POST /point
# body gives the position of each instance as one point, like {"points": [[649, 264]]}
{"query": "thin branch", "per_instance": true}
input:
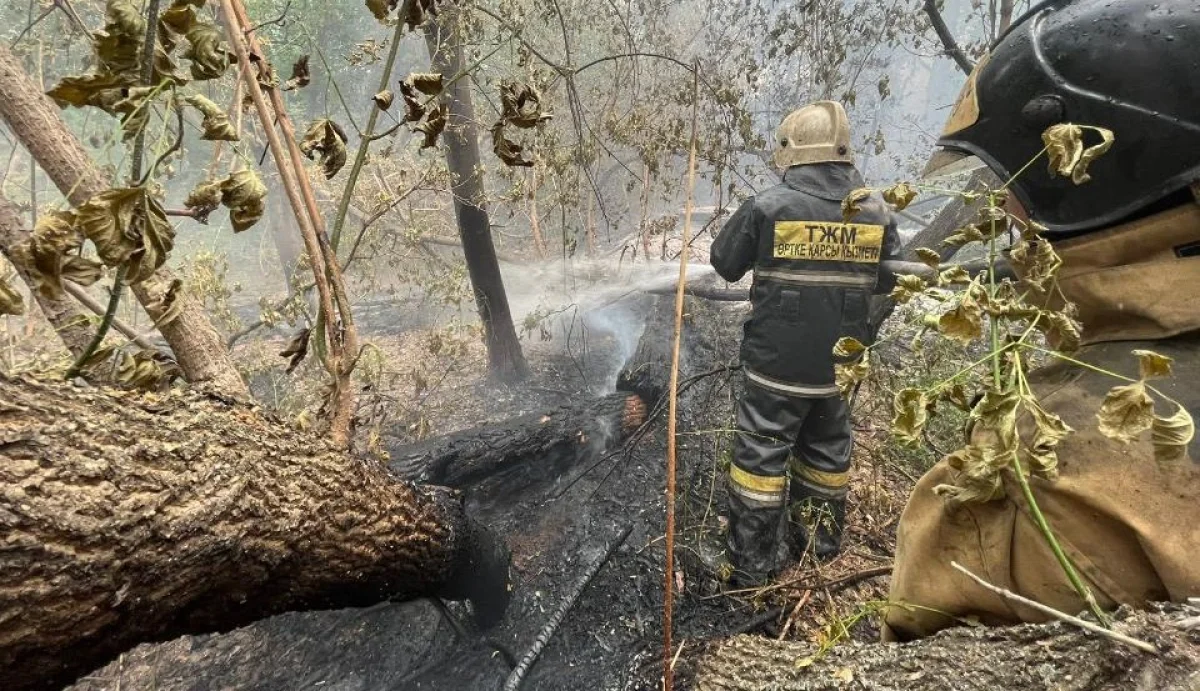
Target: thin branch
{"points": [[1061, 616], [943, 32], [278, 20]]}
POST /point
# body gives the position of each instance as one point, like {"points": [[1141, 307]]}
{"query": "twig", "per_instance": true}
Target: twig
{"points": [[829, 585], [1061, 616], [515, 678], [943, 32], [89, 302], [278, 20], [673, 398]]}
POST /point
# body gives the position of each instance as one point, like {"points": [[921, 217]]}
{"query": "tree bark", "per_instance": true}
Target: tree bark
{"points": [[127, 518], [36, 122], [71, 324], [506, 362], [947, 38], [1018, 658]]}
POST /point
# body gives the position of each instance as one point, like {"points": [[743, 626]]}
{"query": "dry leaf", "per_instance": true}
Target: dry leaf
{"points": [[1127, 411], [381, 8], [118, 45], [907, 287], [521, 105], [10, 300], [326, 139], [1080, 174], [244, 194], [384, 99], [955, 275], [300, 75], [82, 270], [127, 225], [931, 258], [1062, 331], [1171, 436], [848, 347], [297, 350], [508, 151], [900, 195], [963, 236], [208, 55], [432, 126], [1064, 147], [1049, 431], [1152, 365], [204, 199], [215, 125], [964, 323], [910, 415], [49, 247], [844, 675], [850, 205], [848, 376]]}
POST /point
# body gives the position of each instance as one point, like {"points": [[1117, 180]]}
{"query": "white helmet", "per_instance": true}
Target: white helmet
{"points": [[816, 133]]}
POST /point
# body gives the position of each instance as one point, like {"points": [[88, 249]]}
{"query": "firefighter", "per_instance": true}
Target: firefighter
{"points": [[1129, 240], [814, 275]]}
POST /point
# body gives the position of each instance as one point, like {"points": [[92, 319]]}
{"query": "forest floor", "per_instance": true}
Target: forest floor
{"points": [[556, 526]]}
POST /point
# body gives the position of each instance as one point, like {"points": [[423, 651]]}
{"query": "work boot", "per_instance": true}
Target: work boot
{"points": [[816, 523], [755, 549]]}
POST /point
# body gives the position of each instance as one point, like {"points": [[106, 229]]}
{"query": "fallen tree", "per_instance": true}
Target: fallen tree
{"points": [[1020, 658], [127, 518]]}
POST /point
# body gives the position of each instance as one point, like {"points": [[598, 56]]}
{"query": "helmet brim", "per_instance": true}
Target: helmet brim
{"points": [[947, 163]]}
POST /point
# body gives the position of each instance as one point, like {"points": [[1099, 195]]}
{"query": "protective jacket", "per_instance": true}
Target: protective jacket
{"points": [[813, 274]]}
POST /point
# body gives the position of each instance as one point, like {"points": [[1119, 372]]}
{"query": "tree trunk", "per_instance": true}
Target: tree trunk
{"points": [[128, 518], [64, 315], [39, 126], [1017, 658], [506, 362]]}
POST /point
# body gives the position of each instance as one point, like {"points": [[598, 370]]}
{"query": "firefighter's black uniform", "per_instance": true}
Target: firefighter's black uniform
{"points": [[813, 278]]}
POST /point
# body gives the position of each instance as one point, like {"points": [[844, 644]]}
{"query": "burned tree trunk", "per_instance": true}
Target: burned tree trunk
{"points": [[127, 518], [539, 444]]}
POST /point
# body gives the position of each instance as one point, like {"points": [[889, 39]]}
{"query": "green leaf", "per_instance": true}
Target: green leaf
{"points": [[215, 125], [1152, 365], [851, 204], [1127, 411], [900, 195], [245, 195], [909, 415], [1171, 436], [325, 139], [963, 323]]}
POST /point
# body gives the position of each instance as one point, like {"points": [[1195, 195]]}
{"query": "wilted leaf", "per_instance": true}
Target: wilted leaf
{"points": [[1064, 147], [53, 239], [297, 350], [244, 194], [849, 375], [428, 83], [147, 370], [209, 57], [850, 205], [909, 415], [118, 45], [1036, 261], [521, 105], [170, 307], [845, 674], [907, 287], [1049, 431], [1171, 436], [1080, 174], [963, 236], [204, 199], [1061, 331], [1127, 411], [82, 270], [991, 221], [432, 126], [964, 323], [900, 195], [381, 8], [1152, 365], [417, 11], [847, 347], [300, 75], [508, 151], [215, 125], [931, 258], [384, 99], [978, 479], [10, 299], [134, 108], [127, 225], [955, 275], [327, 140], [100, 90]]}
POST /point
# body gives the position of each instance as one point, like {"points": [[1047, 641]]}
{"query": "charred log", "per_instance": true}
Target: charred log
{"points": [[536, 444], [127, 518]]}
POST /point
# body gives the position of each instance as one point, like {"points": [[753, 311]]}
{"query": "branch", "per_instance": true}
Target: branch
{"points": [[1061, 616], [943, 32]]}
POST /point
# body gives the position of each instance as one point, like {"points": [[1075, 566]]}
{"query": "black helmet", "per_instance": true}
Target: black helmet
{"points": [[1131, 66]]}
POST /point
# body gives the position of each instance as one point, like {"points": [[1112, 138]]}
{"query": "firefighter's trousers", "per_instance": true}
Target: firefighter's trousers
{"points": [[811, 438]]}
